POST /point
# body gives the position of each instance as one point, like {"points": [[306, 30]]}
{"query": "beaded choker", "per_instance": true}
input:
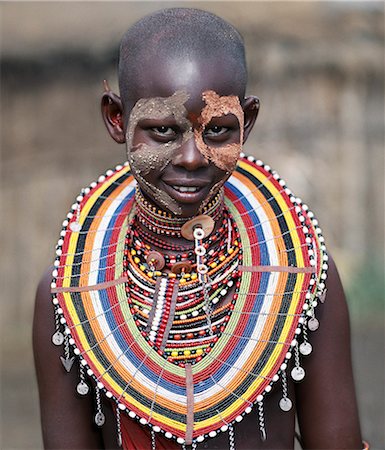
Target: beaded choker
{"points": [[188, 342], [162, 222]]}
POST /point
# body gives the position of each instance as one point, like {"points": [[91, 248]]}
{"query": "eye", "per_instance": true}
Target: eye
{"points": [[164, 131], [215, 130]]}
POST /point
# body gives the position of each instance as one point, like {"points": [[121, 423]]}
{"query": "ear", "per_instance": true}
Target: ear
{"points": [[250, 107], [112, 113]]}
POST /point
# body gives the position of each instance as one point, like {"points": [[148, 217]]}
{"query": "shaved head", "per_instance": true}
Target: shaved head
{"points": [[178, 36]]}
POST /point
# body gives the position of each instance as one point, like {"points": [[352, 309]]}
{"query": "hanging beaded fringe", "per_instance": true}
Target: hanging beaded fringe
{"points": [[153, 442], [285, 403], [231, 438], [118, 429], [298, 372], [261, 418], [99, 416], [82, 388]]}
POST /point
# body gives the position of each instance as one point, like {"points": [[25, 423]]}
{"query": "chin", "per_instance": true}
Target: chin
{"points": [[189, 211]]}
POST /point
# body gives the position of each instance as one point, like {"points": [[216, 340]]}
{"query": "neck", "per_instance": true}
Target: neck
{"points": [[161, 225]]}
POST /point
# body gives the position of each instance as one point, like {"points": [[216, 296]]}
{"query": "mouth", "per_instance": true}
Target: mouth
{"points": [[186, 191], [186, 188]]}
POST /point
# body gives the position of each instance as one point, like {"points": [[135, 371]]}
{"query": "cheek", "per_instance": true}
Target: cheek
{"points": [[149, 159], [224, 157]]}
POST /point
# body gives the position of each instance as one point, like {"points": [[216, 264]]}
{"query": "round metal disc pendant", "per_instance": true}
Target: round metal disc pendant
{"points": [[75, 227], [156, 259], [57, 338], [305, 348], [205, 222], [285, 404], [313, 324], [82, 388], [298, 373], [181, 266], [99, 419]]}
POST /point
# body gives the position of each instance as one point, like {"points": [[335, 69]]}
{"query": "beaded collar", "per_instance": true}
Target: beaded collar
{"points": [[189, 382]]}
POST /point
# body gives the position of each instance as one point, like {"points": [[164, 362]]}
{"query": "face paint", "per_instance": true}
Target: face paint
{"points": [[225, 157], [144, 158]]}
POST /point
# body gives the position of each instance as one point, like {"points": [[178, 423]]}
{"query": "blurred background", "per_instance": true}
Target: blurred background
{"points": [[318, 68]]}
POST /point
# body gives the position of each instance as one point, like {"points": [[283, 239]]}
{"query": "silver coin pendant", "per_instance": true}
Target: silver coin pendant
{"points": [[99, 419], [298, 373], [82, 388], [305, 348], [313, 324], [285, 404], [57, 338]]}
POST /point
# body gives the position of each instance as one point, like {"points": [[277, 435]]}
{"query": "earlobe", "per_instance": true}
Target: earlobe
{"points": [[250, 108], [112, 113]]}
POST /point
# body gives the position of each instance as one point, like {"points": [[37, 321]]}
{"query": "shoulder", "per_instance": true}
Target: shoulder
{"points": [[43, 321]]}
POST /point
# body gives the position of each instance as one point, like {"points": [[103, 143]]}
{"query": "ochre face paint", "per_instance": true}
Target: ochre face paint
{"points": [[225, 157], [144, 158]]}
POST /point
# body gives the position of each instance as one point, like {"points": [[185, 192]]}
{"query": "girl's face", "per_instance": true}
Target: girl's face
{"points": [[182, 149]]}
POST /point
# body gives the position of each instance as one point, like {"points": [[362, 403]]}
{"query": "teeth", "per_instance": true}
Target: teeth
{"points": [[186, 188]]}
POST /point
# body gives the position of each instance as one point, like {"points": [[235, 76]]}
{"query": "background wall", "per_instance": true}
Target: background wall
{"points": [[318, 69]]}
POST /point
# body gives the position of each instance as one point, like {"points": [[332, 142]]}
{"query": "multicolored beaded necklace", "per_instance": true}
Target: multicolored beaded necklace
{"points": [[188, 338], [151, 291]]}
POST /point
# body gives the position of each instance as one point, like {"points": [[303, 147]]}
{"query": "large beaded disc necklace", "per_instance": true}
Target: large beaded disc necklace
{"points": [[187, 338]]}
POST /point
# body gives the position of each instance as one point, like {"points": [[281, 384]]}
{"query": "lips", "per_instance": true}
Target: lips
{"points": [[186, 188], [186, 191]]}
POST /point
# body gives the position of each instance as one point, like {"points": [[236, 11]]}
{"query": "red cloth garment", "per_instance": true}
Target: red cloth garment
{"points": [[136, 437]]}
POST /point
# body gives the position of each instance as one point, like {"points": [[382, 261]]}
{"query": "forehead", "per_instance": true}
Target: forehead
{"points": [[162, 78]]}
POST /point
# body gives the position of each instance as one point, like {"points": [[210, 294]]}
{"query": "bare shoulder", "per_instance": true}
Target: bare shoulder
{"points": [[328, 391], [66, 419]]}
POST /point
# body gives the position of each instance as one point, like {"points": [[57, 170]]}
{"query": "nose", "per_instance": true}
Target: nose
{"points": [[189, 157]]}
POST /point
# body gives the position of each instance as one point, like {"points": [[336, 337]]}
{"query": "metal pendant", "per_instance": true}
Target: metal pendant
{"points": [[99, 419], [119, 440], [58, 338], [67, 362], [322, 297], [82, 388], [298, 373], [305, 348], [313, 324], [285, 404], [206, 223]]}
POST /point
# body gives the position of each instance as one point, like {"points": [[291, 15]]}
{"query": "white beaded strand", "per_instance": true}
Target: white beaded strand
{"points": [[82, 388], [118, 429], [153, 441], [298, 372], [99, 416], [285, 403], [231, 437], [261, 419]]}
